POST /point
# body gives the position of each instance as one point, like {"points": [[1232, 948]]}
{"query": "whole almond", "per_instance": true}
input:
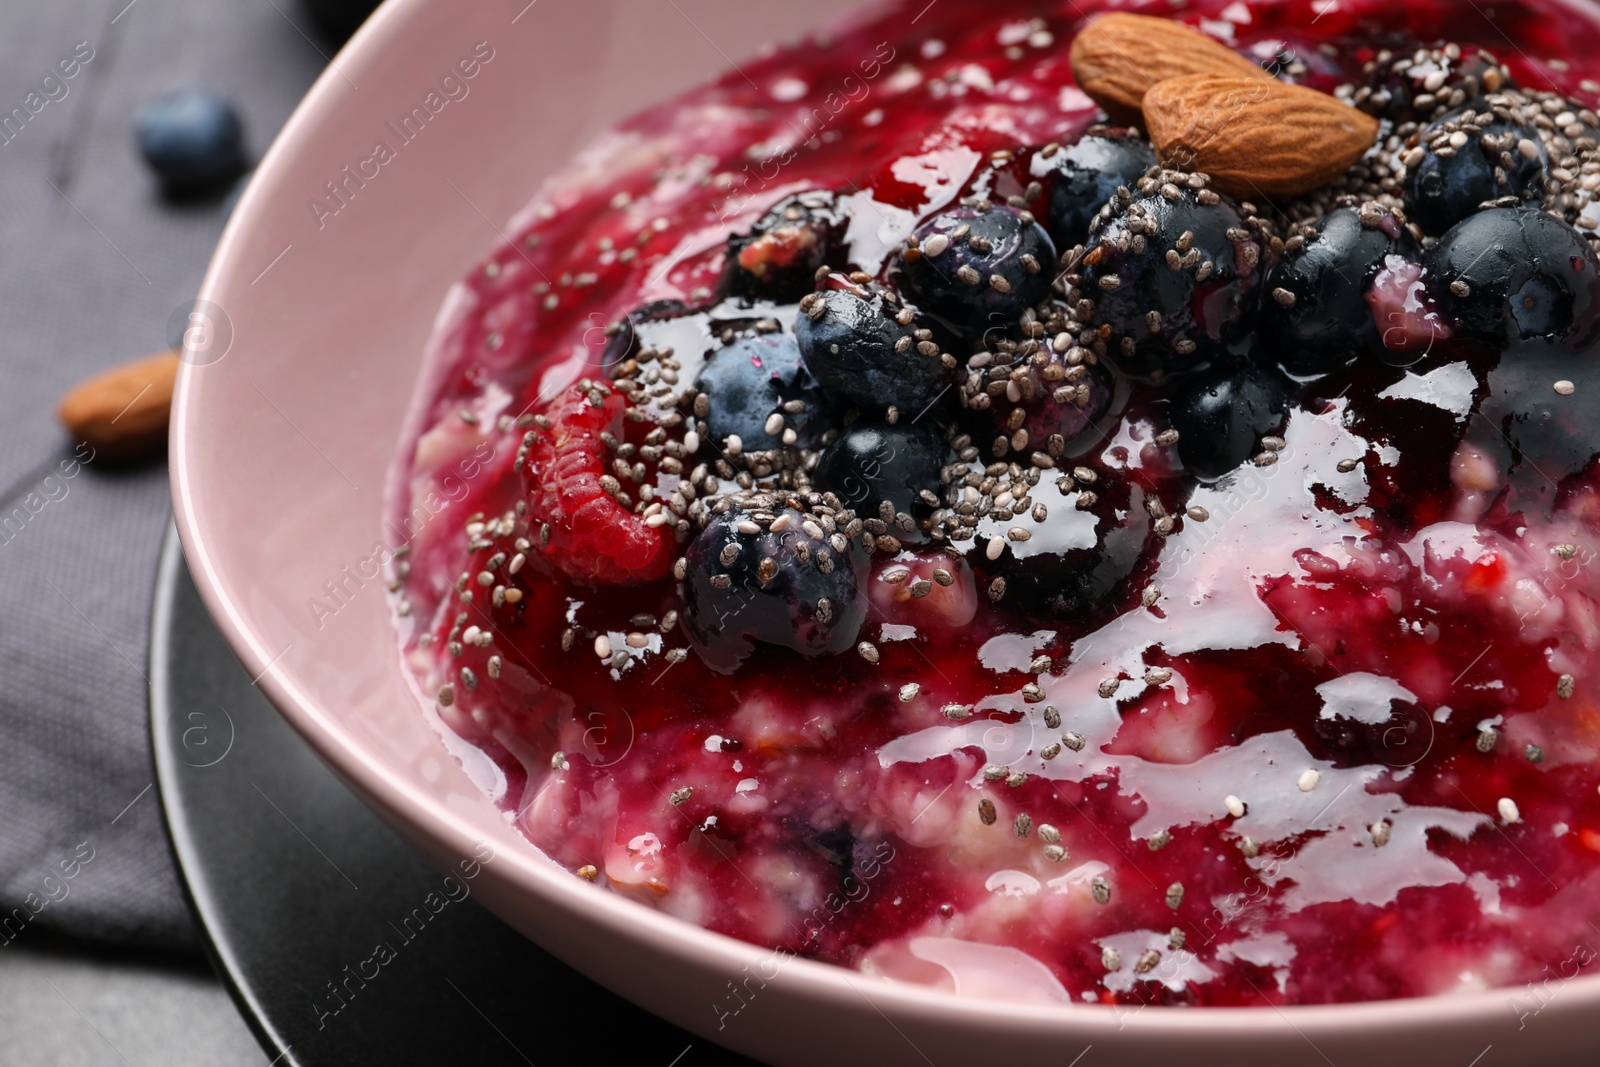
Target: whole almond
{"points": [[1118, 57], [1255, 137], [122, 413]]}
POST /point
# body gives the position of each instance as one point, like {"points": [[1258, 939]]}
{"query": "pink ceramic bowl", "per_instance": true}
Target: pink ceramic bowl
{"points": [[287, 418]]}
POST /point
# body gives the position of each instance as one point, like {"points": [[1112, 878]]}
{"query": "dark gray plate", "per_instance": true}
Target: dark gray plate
{"points": [[297, 885]]}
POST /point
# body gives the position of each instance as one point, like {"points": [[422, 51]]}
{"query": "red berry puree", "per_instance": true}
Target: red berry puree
{"points": [[878, 505]]}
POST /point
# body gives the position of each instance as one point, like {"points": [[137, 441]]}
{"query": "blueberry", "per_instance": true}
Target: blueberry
{"points": [[1526, 287], [1403, 736], [1091, 538], [192, 139], [750, 380], [874, 463], [866, 346], [1516, 275], [779, 256], [1174, 274], [1317, 315], [1222, 415], [1085, 175], [1410, 88], [1061, 396], [784, 589], [338, 19], [1542, 437], [978, 268], [834, 845], [1500, 159]]}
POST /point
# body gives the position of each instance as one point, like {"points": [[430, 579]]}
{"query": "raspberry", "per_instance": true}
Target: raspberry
{"points": [[593, 538]]}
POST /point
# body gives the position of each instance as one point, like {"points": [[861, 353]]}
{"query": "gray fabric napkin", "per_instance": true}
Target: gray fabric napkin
{"points": [[93, 264]]}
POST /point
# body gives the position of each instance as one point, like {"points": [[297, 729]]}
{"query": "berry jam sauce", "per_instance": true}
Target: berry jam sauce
{"points": [[870, 508]]}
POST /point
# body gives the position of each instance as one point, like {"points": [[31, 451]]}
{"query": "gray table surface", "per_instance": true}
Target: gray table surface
{"points": [[94, 264]]}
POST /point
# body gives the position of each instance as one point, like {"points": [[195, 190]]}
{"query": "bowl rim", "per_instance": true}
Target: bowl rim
{"points": [[530, 873]]}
